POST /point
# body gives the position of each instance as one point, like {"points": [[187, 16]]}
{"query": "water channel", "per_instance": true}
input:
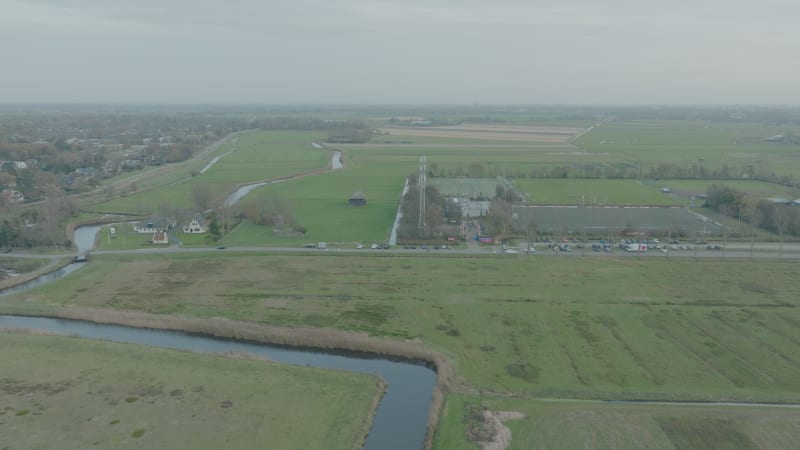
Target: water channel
{"points": [[336, 164], [400, 421]]}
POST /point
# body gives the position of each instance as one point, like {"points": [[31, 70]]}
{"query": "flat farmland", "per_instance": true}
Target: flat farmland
{"points": [[601, 328], [320, 202], [69, 393], [591, 192], [255, 156], [756, 189], [713, 145], [578, 424], [492, 132]]}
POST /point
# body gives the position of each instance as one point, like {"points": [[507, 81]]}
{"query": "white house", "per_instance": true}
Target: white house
{"points": [[197, 225], [153, 224]]}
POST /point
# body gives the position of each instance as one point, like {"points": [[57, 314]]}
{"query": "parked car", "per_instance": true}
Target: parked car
{"points": [[359, 245]]}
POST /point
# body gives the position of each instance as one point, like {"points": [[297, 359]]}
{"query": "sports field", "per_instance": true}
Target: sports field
{"points": [[69, 393], [591, 192], [614, 220]]}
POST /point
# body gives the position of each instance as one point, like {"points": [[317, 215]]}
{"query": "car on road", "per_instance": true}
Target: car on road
{"points": [[220, 247], [310, 246]]}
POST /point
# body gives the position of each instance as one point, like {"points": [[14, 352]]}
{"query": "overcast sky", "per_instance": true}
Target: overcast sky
{"points": [[411, 51]]}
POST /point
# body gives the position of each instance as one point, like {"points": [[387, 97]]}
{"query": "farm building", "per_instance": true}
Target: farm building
{"points": [[357, 199], [153, 224], [160, 237]]}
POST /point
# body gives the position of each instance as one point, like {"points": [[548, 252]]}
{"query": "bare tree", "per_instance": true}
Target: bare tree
{"points": [[755, 218], [201, 193], [780, 223]]}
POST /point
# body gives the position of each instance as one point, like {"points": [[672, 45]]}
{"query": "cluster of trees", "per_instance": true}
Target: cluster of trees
{"points": [[350, 135], [272, 212], [305, 123], [438, 213], [42, 225], [426, 122], [441, 214], [498, 220], [662, 171], [778, 218]]}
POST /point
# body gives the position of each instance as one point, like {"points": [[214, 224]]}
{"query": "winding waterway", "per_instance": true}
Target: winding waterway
{"points": [[336, 164], [400, 421]]}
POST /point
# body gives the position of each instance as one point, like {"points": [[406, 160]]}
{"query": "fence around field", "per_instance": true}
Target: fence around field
{"points": [[577, 219]]}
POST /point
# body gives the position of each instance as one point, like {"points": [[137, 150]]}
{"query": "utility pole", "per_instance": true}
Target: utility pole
{"points": [[421, 184]]}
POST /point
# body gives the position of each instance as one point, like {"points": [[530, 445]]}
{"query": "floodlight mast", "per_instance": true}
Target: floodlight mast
{"points": [[421, 179]]}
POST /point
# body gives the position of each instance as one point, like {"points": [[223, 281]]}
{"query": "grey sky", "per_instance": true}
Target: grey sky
{"points": [[414, 51]]}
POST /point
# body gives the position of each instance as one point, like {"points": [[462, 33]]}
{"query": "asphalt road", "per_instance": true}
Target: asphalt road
{"points": [[761, 250]]}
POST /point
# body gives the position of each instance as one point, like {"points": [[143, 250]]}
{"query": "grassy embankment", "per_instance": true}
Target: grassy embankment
{"points": [[112, 395], [25, 269]]}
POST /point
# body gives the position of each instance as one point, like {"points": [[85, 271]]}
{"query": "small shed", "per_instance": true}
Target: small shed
{"points": [[357, 199]]}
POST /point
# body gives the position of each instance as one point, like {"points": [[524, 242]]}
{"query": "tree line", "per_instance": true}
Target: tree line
{"points": [[782, 219]]}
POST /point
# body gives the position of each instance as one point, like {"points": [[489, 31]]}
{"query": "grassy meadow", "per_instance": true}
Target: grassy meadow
{"points": [[758, 189], [554, 327], [378, 168], [108, 395], [518, 330], [591, 192], [255, 156], [576, 424], [737, 144]]}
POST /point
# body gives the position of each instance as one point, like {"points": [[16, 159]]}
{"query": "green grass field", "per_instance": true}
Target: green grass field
{"points": [[736, 144], [553, 327], [319, 201], [756, 189], [467, 187], [568, 425], [124, 238], [69, 393], [255, 156], [591, 192]]}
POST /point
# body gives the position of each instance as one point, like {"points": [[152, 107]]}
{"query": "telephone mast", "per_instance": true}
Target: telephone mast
{"points": [[423, 171]]}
